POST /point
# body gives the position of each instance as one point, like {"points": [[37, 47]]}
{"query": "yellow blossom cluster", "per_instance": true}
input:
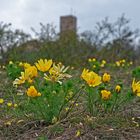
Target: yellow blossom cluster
{"points": [[97, 63], [55, 72], [103, 62], [123, 63], [9, 104], [94, 80], [51, 72], [120, 63], [92, 59]]}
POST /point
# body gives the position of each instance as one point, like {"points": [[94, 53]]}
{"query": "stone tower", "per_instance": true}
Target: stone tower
{"points": [[68, 29], [68, 23]]}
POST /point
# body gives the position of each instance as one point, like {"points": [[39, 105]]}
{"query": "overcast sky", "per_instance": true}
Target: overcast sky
{"points": [[24, 14]]}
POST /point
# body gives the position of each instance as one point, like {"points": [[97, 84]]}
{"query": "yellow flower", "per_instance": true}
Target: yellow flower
{"points": [[89, 60], [10, 62], [28, 74], [43, 65], [78, 133], [136, 87], [76, 104], [91, 78], [103, 62], [102, 65], [15, 105], [94, 59], [21, 64], [67, 108], [9, 104], [32, 92], [118, 88], [118, 63], [84, 73], [24, 76], [105, 94], [3, 67], [123, 61], [21, 79], [106, 77], [131, 63], [57, 73], [1, 101], [94, 66]]}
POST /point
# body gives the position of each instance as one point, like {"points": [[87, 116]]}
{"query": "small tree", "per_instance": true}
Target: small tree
{"points": [[100, 35], [116, 38], [6, 37], [47, 32], [10, 38]]}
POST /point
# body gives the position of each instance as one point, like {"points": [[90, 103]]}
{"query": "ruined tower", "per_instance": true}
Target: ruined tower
{"points": [[68, 28], [68, 23]]}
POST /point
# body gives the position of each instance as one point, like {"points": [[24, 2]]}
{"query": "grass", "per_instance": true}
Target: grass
{"points": [[21, 123]]}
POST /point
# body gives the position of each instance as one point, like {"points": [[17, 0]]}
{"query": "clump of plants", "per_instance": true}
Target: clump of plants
{"points": [[50, 93], [103, 97], [48, 90], [96, 65], [123, 63]]}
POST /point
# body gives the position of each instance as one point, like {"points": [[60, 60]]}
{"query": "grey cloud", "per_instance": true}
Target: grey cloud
{"points": [[26, 13]]}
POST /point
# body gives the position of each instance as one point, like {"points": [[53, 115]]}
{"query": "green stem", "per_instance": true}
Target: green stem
{"points": [[71, 106], [113, 106], [61, 108]]}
